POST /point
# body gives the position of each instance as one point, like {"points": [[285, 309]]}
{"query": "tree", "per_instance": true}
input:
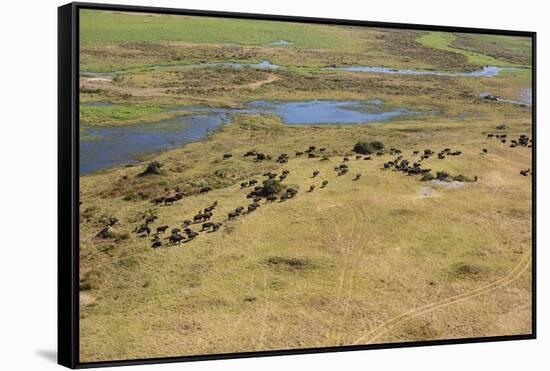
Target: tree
{"points": [[270, 187], [367, 148], [152, 169]]}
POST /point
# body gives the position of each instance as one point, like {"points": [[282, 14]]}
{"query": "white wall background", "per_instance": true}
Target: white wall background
{"points": [[28, 165]]}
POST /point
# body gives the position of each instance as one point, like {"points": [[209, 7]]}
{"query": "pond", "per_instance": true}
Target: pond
{"points": [[106, 147]]}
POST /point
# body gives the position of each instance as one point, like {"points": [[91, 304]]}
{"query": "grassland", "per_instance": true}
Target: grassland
{"points": [[339, 265], [446, 41]]}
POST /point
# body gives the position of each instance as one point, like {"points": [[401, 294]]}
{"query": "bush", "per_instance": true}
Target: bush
{"points": [[367, 148], [427, 177], [129, 197], [270, 187], [442, 175], [152, 169]]}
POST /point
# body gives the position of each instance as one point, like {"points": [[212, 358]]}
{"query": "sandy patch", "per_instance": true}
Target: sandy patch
{"points": [[425, 192], [86, 299], [448, 185], [97, 79]]}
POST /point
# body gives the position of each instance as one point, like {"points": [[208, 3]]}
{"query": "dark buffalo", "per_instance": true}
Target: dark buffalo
{"points": [[162, 229]]}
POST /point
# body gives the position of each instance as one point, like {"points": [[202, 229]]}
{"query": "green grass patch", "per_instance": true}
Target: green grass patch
{"points": [[443, 40], [104, 27]]}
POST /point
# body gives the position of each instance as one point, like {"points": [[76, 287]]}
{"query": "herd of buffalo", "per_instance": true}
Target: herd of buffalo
{"points": [[257, 191]]}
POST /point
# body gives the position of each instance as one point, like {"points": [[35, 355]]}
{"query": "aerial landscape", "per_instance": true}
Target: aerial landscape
{"points": [[252, 185]]}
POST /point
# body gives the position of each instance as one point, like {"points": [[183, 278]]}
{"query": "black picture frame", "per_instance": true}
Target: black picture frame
{"points": [[68, 183]]}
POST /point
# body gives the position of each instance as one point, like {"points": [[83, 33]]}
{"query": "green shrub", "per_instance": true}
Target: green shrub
{"points": [[442, 175], [427, 177], [129, 197], [270, 187], [152, 169], [367, 148]]}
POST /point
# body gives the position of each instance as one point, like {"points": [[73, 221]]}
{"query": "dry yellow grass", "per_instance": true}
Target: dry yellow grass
{"points": [[367, 250]]}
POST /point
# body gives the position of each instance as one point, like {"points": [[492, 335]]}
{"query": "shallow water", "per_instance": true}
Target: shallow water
{"points": [[119, 145], [525, 98], [265, 65], [486, 71], [111, 146], [281, 42], [97, 104]]}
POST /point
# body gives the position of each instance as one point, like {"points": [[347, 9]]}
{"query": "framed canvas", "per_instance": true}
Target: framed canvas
{"points": [[242, 185]]}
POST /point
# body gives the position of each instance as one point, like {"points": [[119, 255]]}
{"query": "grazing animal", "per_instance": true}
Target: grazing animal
{"points": [[143, 229], [357, 176], [186, 223], [244, 185], [315, 173], [415, 153], [525, 172], [150, 219], [216, 226], [197, 218], [325, 183], [232, 215], [176, 230], [299, 154], [191, 235], [358, 157], [271, 198], [175, 238], [227, 155], [282, 177], [322, 149], [158, 200], [162, 229], [286, 172], [345, 159], [252, 182], [291, 192], [484, 150], [156, 242], [311, 188], [205, 189], [170, 200], [367, 158], [206, 225], [379, 153]]}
